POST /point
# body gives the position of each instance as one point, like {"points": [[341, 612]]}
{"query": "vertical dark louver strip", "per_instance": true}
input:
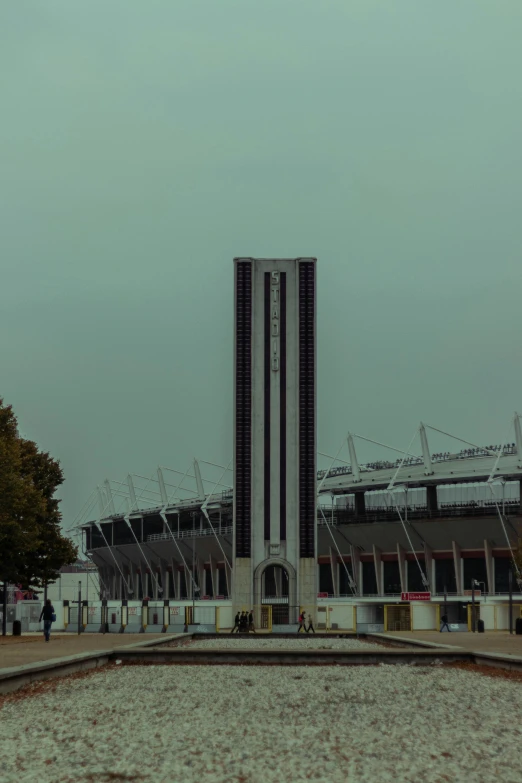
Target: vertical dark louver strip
{"points": [[268, 343], [307, 477], [243, 466], [282, 380]]}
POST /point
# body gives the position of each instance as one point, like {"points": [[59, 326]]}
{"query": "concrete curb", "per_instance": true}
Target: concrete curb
{"points": [[15, 677], [401, 641], [216, 656], [154, 642]]}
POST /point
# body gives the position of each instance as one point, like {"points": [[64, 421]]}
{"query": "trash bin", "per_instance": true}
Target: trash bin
{"points": [[518, 626], [17, 628], [480, 626]]}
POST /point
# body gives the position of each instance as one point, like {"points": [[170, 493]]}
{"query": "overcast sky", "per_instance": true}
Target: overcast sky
{"points": [[143, 145]]}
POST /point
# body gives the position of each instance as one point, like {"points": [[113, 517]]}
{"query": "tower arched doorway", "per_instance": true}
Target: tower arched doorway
{"points": [[275, 585]]}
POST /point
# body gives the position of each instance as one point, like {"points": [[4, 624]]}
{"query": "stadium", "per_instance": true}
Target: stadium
{"points": [[389, 544]]}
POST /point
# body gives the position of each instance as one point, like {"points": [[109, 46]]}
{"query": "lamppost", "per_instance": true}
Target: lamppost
{"points": [[4, 609], [510, 588], [474, 584], [195, 589]]}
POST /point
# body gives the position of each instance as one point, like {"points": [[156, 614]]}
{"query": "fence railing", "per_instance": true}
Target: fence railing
{"points": [[220, 531]]}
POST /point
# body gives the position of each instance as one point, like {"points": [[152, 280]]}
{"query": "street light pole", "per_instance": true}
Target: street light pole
{"points": [[4, 609], [473, 605], [510, 588], [193, 575], [79, 607], [446, 602]]}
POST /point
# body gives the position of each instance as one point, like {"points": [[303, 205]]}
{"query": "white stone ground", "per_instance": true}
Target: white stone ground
{"points": [[252, 724], [253, 642]]}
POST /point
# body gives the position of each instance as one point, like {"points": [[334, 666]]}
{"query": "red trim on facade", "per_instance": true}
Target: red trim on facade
{"points": [[446, 555]]}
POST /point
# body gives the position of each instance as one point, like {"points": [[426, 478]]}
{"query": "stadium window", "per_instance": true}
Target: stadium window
{"points": [[209, 590], [183, 585], [222, 580], [369, 579], [502, 566], [415, 583], [475, 568], [325, 578], [392, 577], [445, 576], [344, 585]]}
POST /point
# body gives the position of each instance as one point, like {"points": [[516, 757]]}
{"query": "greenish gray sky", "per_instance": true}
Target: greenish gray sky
{"points": [[143, 145]]}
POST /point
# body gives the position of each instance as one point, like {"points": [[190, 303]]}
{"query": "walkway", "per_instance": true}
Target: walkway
{"points": [[491, 642], [19, 650]]}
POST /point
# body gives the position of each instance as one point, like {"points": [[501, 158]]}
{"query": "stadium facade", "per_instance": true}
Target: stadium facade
{"points": [[282, 535]]}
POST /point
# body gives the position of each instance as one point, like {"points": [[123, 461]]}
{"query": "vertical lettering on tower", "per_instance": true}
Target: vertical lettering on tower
{"points": [[275, 320]]}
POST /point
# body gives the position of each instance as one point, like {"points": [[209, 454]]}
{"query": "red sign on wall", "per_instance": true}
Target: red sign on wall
{"points": [[415, 596], [322, 595]]}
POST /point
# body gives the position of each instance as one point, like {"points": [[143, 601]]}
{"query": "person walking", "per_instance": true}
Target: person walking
{"points": [[444, 619], [310, 625], [236, 623], [49, 617], [251, 621], [302, 621]]}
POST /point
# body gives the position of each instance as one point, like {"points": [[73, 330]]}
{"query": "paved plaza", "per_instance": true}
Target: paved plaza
{"points": [[490, 642], [31, 648]]}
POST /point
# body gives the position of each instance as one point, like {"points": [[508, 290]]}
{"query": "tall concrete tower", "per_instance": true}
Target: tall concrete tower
{"points": [[275, 425]]}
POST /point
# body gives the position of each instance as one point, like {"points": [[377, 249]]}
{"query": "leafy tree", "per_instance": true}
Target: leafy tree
{"points": [[32, 547]]}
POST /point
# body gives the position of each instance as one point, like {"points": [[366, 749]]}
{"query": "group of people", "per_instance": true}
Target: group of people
{"points": [[244, 622], [302, 623]]}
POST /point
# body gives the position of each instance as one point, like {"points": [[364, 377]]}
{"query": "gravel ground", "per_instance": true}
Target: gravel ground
{"points": [[257, 725], [259, 643]]}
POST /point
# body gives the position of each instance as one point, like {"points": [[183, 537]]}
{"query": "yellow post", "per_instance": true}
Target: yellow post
{"points": [[217, 619], [269, 623], [437, 616], [411, 617], [469, 617], [385, 617]]}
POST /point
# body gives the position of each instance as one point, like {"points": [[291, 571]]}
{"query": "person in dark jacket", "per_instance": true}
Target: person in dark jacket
{"points": [[47, 614], [236, 623]]}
